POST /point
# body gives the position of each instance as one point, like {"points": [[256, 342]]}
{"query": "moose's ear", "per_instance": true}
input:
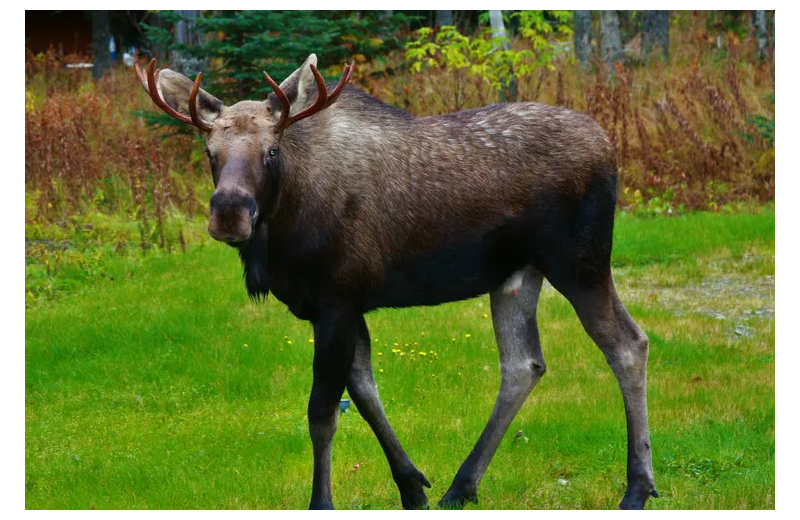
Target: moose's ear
{"points": [[296, 85], [175, 89]]}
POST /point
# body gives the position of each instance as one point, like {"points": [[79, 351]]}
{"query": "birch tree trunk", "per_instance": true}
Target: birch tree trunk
{"points": [[762, 37], [508, 90], [610, 43], [583, 35], [655, 32]]}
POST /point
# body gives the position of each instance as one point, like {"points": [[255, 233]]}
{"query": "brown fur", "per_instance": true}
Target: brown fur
{"points": [[392, 186]]}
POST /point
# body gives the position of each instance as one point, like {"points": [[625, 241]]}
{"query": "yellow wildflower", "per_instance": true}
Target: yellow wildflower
{"points": [[421, 353]]}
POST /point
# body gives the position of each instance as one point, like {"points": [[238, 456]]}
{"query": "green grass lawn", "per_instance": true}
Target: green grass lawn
{"points": [[163, 386]]}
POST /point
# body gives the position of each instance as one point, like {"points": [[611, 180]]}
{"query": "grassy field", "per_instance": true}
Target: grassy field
{"points": [[165, 387]]}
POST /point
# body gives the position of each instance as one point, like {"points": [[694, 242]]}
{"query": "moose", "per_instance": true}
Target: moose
{"points": [[339, 204]]}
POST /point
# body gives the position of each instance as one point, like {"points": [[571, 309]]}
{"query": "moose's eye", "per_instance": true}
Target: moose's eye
{"points": [[273, 152], [211, 158]]}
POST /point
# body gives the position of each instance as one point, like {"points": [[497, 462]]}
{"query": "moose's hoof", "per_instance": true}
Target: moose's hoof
{"points": [[637, 495], [458, 495], [412, 493], [414, 499], [320, 504]]}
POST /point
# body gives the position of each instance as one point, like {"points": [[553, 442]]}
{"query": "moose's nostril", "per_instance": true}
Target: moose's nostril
{"points": [[233, 216], [222, 201]]}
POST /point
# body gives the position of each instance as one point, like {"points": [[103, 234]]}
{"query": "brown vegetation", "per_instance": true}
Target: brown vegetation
{"points": [[85, 151]]}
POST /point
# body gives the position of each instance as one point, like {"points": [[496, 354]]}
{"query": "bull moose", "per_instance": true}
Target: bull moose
{"points": [[339, 204]]}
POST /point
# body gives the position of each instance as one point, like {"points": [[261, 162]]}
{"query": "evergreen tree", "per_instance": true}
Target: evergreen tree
{"points": [[242, 44]]}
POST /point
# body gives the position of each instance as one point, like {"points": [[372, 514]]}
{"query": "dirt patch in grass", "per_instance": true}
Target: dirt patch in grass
{"points": [[738, 291]]}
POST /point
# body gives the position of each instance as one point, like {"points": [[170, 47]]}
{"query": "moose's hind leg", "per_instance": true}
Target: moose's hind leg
{"points": [[521, 366], [625, 347], [362, 389]]}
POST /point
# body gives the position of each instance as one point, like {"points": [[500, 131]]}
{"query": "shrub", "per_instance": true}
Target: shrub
{"points": [[87, 157]]}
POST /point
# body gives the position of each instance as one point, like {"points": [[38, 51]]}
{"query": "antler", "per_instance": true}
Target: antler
{"points": [[150, 85], [324, 98]]}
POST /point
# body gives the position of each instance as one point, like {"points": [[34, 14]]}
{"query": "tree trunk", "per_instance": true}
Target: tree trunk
{"points": [[583, 36], [508, 90], [100, 38], [610, 44], [186, 34], [762, 38], [444, 18], [655, 32], [385, 15]]}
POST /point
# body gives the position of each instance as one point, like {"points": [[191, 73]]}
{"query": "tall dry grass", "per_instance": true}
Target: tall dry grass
{"points": [[85, 152]]}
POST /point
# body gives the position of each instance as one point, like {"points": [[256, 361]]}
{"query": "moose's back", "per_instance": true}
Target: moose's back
{"points": [[473, 196]]}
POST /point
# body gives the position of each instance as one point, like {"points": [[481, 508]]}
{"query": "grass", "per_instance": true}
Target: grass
{"points": [[165, 387]]}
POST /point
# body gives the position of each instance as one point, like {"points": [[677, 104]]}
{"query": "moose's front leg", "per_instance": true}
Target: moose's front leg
{"points": [[364, 392], [335, 336]]}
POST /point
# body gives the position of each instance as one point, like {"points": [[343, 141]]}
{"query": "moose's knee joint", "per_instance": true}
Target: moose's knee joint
{"points": [[539, 368], [641, 343], [523, 374], [321, 413]]}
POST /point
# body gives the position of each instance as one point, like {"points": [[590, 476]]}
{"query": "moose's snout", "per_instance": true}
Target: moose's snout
{"points": [[233, 216]]}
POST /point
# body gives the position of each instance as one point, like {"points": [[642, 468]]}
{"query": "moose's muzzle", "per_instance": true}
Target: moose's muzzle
{"points": [[233, 217]]}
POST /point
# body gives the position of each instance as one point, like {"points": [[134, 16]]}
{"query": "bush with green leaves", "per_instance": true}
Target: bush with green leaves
{"points": [[484, 55]]}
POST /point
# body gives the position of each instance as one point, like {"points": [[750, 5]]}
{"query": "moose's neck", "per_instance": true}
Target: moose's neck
{"points": [[337, 156]]}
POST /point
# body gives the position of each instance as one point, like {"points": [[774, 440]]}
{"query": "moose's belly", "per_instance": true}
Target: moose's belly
{"points": [[460, 270]]}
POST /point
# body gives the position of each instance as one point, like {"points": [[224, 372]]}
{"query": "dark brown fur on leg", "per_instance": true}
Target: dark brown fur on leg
{"points": [[335, 336]]}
